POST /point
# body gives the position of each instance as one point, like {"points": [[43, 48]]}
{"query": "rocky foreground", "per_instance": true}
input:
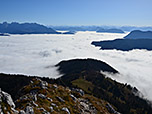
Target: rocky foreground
{"points": [[40, 97]]}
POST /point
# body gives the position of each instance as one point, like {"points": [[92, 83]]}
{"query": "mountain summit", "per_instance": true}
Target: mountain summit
{"points": [[137, 34]]}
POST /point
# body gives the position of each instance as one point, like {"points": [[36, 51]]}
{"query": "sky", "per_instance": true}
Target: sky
{"points": [[78, 12]]}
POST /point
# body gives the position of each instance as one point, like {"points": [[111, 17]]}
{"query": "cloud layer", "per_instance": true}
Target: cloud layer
{"points": [[37, 55]]}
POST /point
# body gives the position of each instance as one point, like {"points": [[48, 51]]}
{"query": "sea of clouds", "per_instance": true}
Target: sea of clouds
{"points": [[37, 55]]}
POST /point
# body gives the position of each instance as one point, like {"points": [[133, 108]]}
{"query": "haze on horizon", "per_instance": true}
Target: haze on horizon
{"points": [[78, 12]]}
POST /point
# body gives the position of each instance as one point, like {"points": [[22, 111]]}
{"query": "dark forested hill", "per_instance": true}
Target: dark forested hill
{"points": [[79, 65], [124, 44], [137, 34], [85, 74], [134, 40]]}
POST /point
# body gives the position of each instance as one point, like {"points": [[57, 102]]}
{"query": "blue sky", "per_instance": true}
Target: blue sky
{"points": [[78, 12]]}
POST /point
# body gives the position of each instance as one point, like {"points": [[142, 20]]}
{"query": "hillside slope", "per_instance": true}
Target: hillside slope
{"points": [[83, 87], [92, 81], [40, 97]]}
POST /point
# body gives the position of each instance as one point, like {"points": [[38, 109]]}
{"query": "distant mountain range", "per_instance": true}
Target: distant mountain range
{"points": [[75, 28], [34, 28], [137, 34], [134, 40], [4, 34], [95, 28], [69, 32], [110, 30], [25, 28], [88, 28], [131, 28]]}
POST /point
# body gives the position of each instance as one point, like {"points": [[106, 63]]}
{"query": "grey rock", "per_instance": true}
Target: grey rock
{"points": [[44, 111], [14, 111], [36, 105], [66, 110], [80, 91], [49, 99], [51, 109], [23, 98], [42, 96], [111, 109], [31, 82], [60, 99], [55, 86], [6, 97], [73, 97], [86, 106], [54, 105], [43, 84], [35, 97], [29, 110], [1, 111], [22, 112]]}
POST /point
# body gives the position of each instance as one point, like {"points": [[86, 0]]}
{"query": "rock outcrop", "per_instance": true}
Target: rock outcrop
{"points": [[6, 103], [40, 97]]}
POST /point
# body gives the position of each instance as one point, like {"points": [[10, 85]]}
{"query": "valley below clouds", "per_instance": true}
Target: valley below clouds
{"points": [[37, 55]]}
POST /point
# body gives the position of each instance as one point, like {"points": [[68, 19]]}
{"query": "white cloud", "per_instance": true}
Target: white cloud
{"points": [[37, 55]]}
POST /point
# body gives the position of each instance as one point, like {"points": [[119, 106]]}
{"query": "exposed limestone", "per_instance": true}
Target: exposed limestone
{"points": [[43, 111], [80, 91], [14, 111], [8, 99], [51, 109], [73, 97], [54, 99], [35, 97], [54, 105], [43, 84], [60, 99], [42, 96], [111, 109], [22, 112], [66, 110], [49, 99], [36, 105], [29, 110], [55, 86], [86, 106]]}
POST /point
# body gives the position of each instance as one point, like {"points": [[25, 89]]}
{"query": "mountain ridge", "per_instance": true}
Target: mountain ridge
{"points": [[124, 44], [138, 34], [112, 30], [25, 28]]}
